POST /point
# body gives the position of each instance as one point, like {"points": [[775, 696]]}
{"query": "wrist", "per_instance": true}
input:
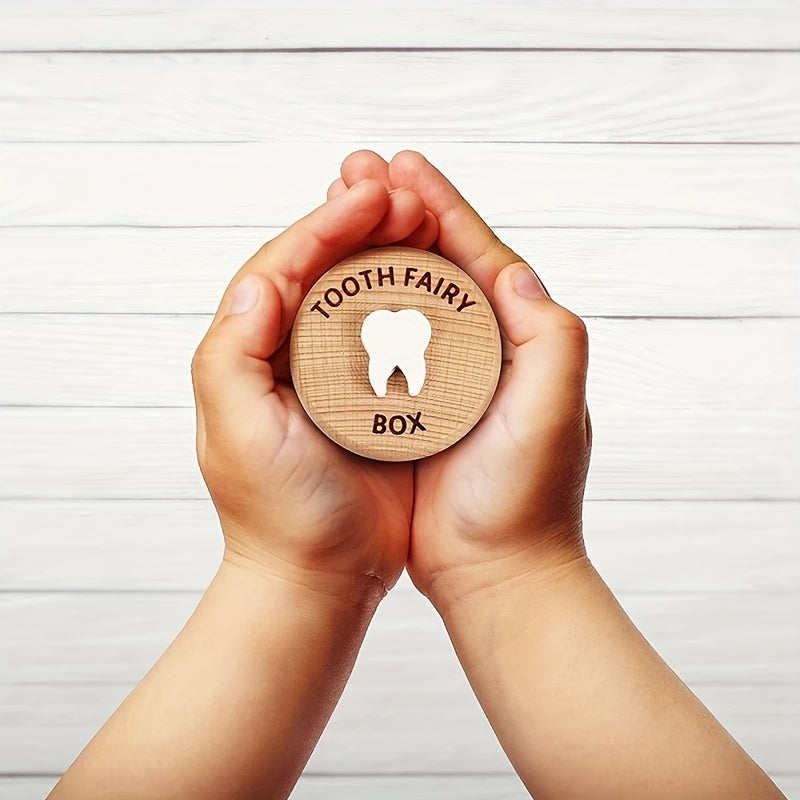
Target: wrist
{"points": [[481, 583], [340, 591], [487, 622]]}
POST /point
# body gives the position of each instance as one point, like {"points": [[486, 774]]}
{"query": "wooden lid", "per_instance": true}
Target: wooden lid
{"points": [[408, 315]]}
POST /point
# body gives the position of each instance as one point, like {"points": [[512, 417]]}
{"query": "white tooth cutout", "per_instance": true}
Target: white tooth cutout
{"points": [[396, 340]]}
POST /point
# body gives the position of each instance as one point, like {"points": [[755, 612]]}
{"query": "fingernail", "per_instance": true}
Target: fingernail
{"points": [[527, 284], [245, 294]]}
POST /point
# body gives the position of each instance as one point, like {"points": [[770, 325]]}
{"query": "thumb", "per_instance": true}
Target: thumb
{"points": [[230, 366], [546, 379]]}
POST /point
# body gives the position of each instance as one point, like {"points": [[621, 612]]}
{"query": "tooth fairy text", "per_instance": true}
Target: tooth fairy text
{"points": [[410, 277]]}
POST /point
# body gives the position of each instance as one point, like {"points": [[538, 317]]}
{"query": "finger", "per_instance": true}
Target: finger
{"points": [[406, 211], [425, 234], [336, 188], [545, 384], [464, 238], [524, 310], [298, 256], [405, 214], [230, 365], [365, 164]]}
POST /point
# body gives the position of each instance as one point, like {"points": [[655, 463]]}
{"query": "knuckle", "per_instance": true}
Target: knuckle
{"points": [[574, 330]]}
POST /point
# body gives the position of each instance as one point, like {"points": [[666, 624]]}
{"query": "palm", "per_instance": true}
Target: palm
{"points": [[487, 492], [282, 489], [321, 498], [366, 504], [474, 486]]}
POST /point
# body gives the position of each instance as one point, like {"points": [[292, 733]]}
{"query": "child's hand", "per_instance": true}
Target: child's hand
{"points": [[507, 499], [290, 501]]}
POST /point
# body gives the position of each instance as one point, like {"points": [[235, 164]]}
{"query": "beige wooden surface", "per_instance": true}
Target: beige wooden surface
{"points": [[643, 154], [455, 354]]}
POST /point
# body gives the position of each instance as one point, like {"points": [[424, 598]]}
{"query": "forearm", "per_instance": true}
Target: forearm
{"points": [[581, 703], [236, 704]]}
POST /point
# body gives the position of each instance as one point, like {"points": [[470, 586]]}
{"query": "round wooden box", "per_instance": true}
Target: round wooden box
{"points": [[395, 353]]}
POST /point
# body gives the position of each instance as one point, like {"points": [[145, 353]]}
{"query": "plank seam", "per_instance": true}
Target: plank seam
{"points": [[160, 407], [196, 498], [791, 593], [722, 684], [334, 50], [504, 227], [55, 499], [211, 226], [434, 142], [371, 775], [210, 314]]}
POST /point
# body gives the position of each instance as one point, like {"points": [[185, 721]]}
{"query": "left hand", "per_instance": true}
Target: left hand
{"points": [[507, 499]]}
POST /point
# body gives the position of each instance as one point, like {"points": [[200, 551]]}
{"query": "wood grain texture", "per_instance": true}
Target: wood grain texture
{"points": [[274, 183], [707, 637], [396, 729], [150, 24], [143, 360], [175, 545], [422, 313], [483, 96], [596, 272], [648, 454]]}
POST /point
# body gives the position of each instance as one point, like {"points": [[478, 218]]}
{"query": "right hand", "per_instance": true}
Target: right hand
{"points": [[292, 503]]}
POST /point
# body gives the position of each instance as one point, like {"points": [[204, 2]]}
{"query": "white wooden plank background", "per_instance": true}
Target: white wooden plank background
{"points": [[584, 185], [114, 637], [653, 454], [598, 272], [485, 96], [246, 24], [642, 154], [385, 731], [657, 546], [636, 363]]}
